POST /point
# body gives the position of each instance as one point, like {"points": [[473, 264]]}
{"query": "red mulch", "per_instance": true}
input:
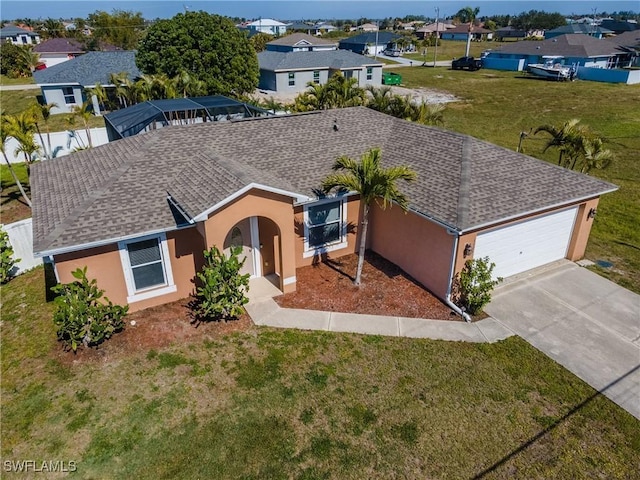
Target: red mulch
{"points": [[384, 290]]}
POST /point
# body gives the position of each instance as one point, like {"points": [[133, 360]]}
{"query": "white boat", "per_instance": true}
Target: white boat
{"points": [[551, 69]]}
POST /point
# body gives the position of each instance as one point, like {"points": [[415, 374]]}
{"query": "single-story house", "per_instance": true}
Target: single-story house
{"points": [[579, 29], [461, 32], [323, 27], [510, 33], [292, 71], [300, 42], [629, 44], [367, 27], [266, 25], [138, 212], [18, 36], [432, 29], [65, 84], [58, 50], [619, 26], [575, 49], [370, 43]]}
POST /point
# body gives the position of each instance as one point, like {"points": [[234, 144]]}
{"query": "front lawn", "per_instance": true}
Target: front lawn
{"points": [[267, 403]]}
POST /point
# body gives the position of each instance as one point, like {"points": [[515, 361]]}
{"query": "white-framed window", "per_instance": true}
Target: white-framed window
{"points": [[325, 226], [147, 267], [369, 73], [292, 79], [69, 96], [316, 76]]}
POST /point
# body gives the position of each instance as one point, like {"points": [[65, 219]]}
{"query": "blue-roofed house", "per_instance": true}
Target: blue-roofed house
{"points": [[578, 28], [300, 42], [65, 84], [369, 43], [290, 72]]}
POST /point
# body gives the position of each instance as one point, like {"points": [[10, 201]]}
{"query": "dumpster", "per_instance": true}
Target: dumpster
{"points": [[390, 78]]}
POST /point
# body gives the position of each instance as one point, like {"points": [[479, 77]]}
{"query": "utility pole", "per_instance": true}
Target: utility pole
{"points": [[375, 47], [435, 55]]}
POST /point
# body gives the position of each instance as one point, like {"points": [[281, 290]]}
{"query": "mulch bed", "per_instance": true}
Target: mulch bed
{"points": [[385, 289]]}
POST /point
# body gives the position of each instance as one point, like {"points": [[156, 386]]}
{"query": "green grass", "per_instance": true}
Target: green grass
{"points": [[4, 80], [449, 49], [497, 106], [295, 404]]}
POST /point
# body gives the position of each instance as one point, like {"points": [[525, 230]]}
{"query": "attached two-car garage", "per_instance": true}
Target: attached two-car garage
{"points": [[521, 246]]}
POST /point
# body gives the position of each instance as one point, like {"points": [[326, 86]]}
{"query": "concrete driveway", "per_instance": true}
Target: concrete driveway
{"points": [[586, 323]]}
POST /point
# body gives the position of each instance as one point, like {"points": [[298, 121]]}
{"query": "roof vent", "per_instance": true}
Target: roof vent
{"points": [[335, 125]]}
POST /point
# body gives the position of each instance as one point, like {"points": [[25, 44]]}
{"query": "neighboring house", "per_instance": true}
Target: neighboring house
{"points": [[619, 26], [371, 43], [576, 50], [578, 28], [65, 84], [58, 50], [461, 33], [509, 33], [432, 29], [292, 71], [301, 27], [629, 44], [300, 42], [18, 36], [266, 25], [367, 27], [138, 212], [322, 27]]}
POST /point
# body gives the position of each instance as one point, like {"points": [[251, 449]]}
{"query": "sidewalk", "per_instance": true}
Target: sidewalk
{"points": [[266, 312]]}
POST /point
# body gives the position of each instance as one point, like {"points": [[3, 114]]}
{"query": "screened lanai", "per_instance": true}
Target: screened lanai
{"points": [[154, 114]]}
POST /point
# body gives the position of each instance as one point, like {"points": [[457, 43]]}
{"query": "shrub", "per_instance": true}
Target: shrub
{"points": [[473, 285], [222, 291], [83, 316], [7, 261]]}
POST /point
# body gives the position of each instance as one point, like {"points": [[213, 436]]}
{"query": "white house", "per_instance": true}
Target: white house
{"points": [[266, 25], [18, 36]]}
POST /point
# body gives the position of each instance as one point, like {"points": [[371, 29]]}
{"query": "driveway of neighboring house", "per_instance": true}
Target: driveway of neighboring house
{"points": [[583, 321]]}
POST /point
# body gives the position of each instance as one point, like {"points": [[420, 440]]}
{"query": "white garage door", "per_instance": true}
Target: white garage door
{"points": [[522, 246]]}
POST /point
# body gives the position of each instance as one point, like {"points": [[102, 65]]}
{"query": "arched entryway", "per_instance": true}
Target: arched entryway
{"points": [[259, 238]]}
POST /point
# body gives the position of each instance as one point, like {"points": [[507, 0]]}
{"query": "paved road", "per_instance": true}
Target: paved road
{"points": [[583, 321]]}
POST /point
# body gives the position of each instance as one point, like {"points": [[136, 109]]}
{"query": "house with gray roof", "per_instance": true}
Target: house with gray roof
{"points": [[65, 84], [369, 43], [138, 212], [58, 50], [594, 31], [18, 36], [300, 42], [292, 71]]}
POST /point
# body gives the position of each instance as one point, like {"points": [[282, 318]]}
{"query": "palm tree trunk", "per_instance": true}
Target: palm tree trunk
{"points": [[466, 54], [49, 141], [15, 179], [46, 153], [363, 243]]}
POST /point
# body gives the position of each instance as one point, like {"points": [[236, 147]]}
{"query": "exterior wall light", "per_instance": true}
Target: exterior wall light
{"points": [[592, 213], [467, 250]]}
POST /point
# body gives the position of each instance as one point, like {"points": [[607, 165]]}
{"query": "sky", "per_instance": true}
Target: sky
{"points": [[303, 9]]}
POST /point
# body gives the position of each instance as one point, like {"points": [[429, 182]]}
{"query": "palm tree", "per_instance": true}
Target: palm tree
{"points": [[84, 113], [101, 95], [28, 60], [22, 127], [401, 107], [4, 136], [344, 92], [566, 139], [594, 155], [44, 111], [372, 182], [468, 15], [380, 98], [428, 114], [272, 104]]}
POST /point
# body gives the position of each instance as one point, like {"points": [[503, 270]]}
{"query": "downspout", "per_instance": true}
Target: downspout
{"points": [[447, 298]]}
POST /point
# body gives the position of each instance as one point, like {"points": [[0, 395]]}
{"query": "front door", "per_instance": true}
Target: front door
{"points": [[245, 234]]}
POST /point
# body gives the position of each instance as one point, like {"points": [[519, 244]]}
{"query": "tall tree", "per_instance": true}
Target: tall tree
{"points": [[565, 138], [259, 41], [209, 47], [373, 183], [120, 28], [468, 15], [4, 136], [22, 128], [51, 28], [84, 113]]}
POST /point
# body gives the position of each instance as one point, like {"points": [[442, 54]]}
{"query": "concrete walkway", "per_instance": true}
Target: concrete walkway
{"points": [[25, 86], [265, 311], [586, 323]]}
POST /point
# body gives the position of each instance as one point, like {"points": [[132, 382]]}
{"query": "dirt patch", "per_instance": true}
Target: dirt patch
{"points": [[385, 290], [155, 327]]}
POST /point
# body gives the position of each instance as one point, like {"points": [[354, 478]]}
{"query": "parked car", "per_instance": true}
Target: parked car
{"points": [[391, 53], [469, 63], [390, 78]]}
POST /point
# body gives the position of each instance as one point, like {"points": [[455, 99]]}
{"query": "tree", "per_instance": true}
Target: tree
{"points": [[338, 92], [84, 112], [17, 60], [209, 47], [259, 41], [22, 128], [51, 28], [4, 136], [565, 138], [373, 183], [7, 260], [380, 98], [120, 28], [468, 15]]}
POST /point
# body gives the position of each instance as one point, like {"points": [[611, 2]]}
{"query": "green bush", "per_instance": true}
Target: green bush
{"points": [[83, 316], [473, 285], [222, 291], [7, 261]]}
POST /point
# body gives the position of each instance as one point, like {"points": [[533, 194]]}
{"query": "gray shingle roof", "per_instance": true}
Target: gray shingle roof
{"points": [[580, 28], [370, 38], [571, 45], [120, 189], [337, 59], [294, 38], [12, 31], [89, 69]]}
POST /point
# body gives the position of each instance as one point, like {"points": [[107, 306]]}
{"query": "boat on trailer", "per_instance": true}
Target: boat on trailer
{"points": [[552, 69]]}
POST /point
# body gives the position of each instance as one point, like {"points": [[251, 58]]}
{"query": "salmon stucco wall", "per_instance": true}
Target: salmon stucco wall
{"points": [[104, 264], [581, 230], [259, 203], [422, 248], [353, 223]]}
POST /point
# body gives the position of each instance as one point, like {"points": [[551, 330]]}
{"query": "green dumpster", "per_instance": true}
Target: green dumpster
{"points": [[390, 78]]}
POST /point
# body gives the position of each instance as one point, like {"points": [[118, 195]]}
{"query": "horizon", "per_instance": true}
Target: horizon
{"points": [[310, 9]]}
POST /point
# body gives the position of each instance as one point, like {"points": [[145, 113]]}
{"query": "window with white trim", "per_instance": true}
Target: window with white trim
{"points": [[147, 267], [325, 225], [316, 76], [369, 73], [292, 79], [69, 96]]}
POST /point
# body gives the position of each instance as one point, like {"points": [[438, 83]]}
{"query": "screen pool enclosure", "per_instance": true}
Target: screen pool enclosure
{"points": [[155, 114]]}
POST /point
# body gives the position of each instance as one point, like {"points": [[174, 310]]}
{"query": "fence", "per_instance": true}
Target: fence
{"points": [[609, 75], [62, 143], [511, 64], [21, 239]]}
